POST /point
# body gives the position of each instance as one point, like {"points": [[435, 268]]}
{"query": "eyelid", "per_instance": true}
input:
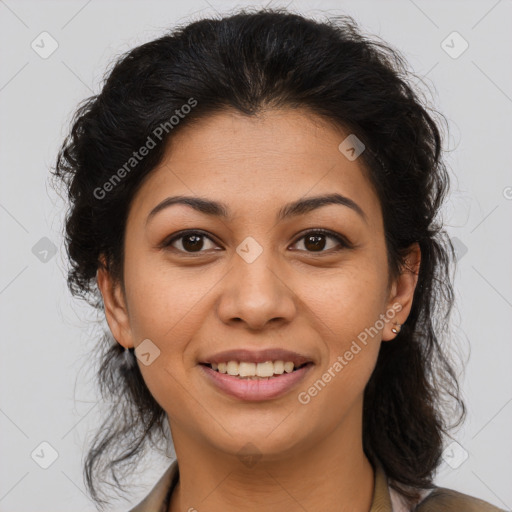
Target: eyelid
{"points": [[342, 240]]}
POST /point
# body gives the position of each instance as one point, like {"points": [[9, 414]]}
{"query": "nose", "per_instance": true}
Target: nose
{"points": [[256, 294]]}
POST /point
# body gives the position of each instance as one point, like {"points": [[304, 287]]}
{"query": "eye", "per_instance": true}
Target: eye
{"points": [[190, 242], [314, 241]]}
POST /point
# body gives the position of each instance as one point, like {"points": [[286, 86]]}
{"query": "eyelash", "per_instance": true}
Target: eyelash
{"points": [[344, 243]]}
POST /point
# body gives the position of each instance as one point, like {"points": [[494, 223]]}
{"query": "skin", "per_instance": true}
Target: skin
{"points": [[292, 296]]}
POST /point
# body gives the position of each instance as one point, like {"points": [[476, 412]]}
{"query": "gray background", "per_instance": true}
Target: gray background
{"points": [[46, 392]]}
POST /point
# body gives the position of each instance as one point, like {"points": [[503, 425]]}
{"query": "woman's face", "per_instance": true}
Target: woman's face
{"points": [[259, 278]]}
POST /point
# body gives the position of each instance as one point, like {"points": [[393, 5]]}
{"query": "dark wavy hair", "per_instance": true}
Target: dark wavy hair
{"points": [[251, 61]]}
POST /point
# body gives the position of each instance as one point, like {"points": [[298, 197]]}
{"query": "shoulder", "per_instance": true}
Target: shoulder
{"points": [[441, 499], [158, 497]]}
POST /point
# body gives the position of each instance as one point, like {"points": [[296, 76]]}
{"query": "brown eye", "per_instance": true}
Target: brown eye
{"points": [[315, 241], [191, 242]]}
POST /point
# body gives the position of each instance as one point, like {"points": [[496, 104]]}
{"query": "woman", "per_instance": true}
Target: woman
{"points": [[253, 209]]}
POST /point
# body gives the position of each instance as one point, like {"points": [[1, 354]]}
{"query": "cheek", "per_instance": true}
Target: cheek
{"points": [[161, 301], [348, 310], [164, 307], [349, 300]]}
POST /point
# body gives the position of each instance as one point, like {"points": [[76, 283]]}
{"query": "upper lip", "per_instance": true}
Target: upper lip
{"points": [[257, 356]]}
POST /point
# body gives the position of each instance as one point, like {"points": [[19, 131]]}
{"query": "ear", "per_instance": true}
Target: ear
{"points": [[116, 311], [402, 291]]}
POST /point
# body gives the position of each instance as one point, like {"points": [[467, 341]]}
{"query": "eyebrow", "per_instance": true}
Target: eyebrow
{"points": [[299, 207]]}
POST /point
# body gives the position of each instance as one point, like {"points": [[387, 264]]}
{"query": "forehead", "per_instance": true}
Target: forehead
{"points": [[256, 164]]}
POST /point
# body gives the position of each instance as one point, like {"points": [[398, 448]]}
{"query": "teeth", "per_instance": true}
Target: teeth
{"points": [[265, 369], [245, 369], [279, 367], [232, 368], [288, 367]]}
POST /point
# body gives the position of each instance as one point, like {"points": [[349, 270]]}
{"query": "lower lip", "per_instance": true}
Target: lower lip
{"points": [[258, 389]]}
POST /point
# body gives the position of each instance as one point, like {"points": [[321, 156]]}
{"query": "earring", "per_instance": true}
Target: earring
{"points": [[396, 330]]}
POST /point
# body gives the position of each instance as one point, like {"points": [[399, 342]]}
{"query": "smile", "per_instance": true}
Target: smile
{"points": [[255, 382], [247, 369]]}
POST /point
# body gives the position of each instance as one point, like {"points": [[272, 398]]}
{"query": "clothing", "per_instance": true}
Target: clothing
{"points": [[385, 499]]}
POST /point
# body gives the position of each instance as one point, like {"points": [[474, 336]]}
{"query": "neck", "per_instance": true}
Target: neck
{"points": [[331, 475]]}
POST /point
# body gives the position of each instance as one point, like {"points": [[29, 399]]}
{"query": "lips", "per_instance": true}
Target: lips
{"points": [[295, 368], [255, 390]]}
